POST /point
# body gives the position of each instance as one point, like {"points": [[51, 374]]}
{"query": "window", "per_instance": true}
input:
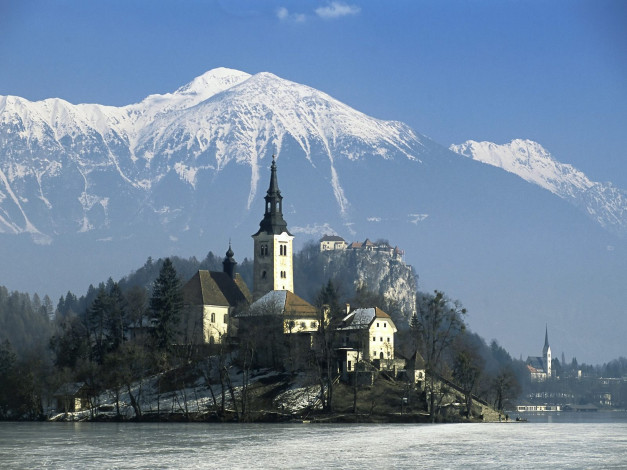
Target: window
{"points": [[381, 339], [349, 366], [303, 324], [283, 275], [263, 274], [313, 324], [213, 317], [388, 339], [226, 318], [377, 324], [283, 249], [264, 250], [374, 338], [385, 324]]}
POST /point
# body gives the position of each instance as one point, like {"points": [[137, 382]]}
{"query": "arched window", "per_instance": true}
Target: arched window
{"points": [[213, 317], [381, 355], [263, 274]]}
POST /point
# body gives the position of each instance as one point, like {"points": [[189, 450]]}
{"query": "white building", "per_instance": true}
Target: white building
{"points": [[369, 331], [332, 242], [210, 300], [540, 367]]}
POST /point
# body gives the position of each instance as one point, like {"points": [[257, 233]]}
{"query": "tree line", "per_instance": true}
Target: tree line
{"points": [[119, 334]]}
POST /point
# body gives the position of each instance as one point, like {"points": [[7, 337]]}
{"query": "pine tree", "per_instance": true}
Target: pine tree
{"points": [[166, 304]]}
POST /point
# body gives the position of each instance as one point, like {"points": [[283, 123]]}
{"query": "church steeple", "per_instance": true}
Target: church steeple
{"points": [[273, 222], [546, 353], [272, 267]]}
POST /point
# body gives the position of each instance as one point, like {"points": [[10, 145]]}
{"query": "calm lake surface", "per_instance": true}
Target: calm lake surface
{"points": [[575, 440]]}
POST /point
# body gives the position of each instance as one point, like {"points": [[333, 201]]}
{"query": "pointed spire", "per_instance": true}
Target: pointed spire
{"points": [[546, 348], [273, 222], [274, 182]]}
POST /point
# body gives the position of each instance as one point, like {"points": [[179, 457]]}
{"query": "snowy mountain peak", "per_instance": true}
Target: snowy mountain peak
{"points": [[529, 160], [533, 163], [212, 82], [71, 165]]}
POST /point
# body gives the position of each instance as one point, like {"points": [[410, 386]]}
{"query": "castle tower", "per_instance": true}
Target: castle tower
{"points": [[272, 267], [546, 353]]}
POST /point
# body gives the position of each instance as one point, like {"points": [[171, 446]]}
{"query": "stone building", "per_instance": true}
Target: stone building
{"points": [[211, 298]]}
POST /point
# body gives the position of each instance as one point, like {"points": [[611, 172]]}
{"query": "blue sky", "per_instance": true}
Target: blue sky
{"points": [[554, 72]]}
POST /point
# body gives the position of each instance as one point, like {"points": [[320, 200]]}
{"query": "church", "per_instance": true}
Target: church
{"points": [[218, 305], [540, 367], [219, 308]]}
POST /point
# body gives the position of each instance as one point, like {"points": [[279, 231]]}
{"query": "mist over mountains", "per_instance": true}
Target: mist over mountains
{"points": [[88, 191]]}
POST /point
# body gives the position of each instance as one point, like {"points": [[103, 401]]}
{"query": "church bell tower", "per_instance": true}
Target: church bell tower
{"points": [[272, 267], [546, 353]]}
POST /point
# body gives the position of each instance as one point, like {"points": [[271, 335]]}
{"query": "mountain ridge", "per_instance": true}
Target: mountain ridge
{"points": [[527, 159], [221, 116]]}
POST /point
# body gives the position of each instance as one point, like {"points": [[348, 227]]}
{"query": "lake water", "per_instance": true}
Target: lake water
{"points": [[546, 441]]}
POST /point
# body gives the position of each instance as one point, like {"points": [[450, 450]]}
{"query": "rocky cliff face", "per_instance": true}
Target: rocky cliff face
{"points": [[378, 273]]}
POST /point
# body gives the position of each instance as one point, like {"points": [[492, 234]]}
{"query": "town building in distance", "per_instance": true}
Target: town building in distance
{"points": [[336, 243]]}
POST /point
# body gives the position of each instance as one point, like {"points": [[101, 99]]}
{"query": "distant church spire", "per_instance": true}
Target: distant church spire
{"points": [[546, 353], [273, 222]]}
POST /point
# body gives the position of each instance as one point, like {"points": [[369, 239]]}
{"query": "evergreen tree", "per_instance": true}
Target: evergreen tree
{"points": [[117, 318], [95, 319], [166, 304], [329, 296]]}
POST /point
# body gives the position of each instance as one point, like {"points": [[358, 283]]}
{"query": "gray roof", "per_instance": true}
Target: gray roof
{"points": [[536, 362], [332, 238], [362, 318], [281, 302]]}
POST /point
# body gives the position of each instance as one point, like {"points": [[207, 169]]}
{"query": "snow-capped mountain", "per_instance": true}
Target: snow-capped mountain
{"points": [[101, 188], [601, 201], [61, 161]]}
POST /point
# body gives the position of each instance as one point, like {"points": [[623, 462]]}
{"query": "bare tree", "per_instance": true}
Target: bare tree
{"points": [[467, 368], [438, 322]]}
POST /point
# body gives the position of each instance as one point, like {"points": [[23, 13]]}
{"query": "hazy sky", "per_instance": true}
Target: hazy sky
{"points": [[550, 71]]}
